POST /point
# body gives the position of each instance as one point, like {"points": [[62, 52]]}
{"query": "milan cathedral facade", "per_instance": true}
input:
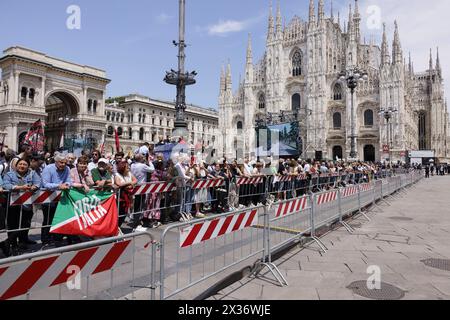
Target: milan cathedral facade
{"points": [[300, 71]]}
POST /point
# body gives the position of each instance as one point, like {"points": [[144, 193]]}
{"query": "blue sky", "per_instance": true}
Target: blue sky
{"points": [[132, 40]]}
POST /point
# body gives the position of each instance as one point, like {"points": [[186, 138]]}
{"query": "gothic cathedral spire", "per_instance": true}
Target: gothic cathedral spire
{"points": [[350, 20], [431, 60], [271, 27], [438, 63], [357, 23], [312, 14], [397, 54], [249, 63], [279, 30], [321, 12], [385, 58]]}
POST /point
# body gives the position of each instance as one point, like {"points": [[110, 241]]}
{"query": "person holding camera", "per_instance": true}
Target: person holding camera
{"points": [[19, 217]]}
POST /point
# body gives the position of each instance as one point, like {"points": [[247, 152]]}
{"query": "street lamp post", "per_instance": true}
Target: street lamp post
{"points": [[388, 114], [180, 78], [67, 121], [352, 77]]}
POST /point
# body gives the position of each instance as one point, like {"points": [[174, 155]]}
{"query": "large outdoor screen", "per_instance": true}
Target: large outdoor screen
{"points": [[282, 140]]}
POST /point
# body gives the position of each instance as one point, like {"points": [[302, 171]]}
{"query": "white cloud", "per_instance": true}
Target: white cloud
{"points": [[163, 18], [225, 27]]}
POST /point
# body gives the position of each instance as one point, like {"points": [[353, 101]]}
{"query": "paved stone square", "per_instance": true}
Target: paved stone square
{"points": [[413, 226]]}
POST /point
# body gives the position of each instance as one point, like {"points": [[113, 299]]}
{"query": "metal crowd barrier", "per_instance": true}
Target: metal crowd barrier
{"points": [[191, 252], [155, 200], [102, 269], [194, 251], [22, 210]]}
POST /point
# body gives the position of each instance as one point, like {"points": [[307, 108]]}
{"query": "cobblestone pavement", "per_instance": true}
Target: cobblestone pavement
{"points": [[413, 226]]}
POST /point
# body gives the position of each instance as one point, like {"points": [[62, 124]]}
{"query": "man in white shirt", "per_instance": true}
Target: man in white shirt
{"points": [[183, 168], [307, 167], [248, 168], [140, 170], [94, 163]]}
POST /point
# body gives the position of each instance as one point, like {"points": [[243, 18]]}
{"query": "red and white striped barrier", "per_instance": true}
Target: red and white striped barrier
{"points": [[291, 207], [326, 197], [283, 179], [365, 187], [159, 187], [209, 230], [245, 181], [28, 276], [349, 191], [302, 176], [38, 197], [203, 184]]}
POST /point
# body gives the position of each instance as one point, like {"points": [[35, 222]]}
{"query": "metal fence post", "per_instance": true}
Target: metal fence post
{"points": [[313, 206], [161, 267], [153, 273], [359, 198]]}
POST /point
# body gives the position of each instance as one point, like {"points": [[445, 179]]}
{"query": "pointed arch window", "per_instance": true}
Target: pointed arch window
{"points": [[262, 101], [368, 118], [337, 92], [297, 64], [337, 121], [296, 102], [239, 125]]}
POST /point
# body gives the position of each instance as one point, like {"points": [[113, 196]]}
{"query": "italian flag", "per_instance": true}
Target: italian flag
{"points": [[92, 214]]}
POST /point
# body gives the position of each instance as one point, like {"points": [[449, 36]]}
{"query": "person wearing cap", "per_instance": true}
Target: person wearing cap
{"points": [[101, 176], [55, 177]]}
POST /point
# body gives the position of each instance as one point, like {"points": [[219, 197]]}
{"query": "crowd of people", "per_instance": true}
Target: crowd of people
{"points": [[29, 171]]}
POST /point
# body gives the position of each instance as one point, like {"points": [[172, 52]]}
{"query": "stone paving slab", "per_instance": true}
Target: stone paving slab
{"points": [[396, 246]]}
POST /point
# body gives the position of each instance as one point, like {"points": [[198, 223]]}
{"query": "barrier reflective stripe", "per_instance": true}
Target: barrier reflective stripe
{"points": [[326, 197], [288, 208], [38, 197], [244, 180], [202, 184], [158, 187], [19, 279], [282, 179], [349, 191], [212, 229], [366, 187]]}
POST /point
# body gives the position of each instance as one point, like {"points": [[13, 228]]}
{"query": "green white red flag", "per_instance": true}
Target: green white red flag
{"points": [[92, 214]]}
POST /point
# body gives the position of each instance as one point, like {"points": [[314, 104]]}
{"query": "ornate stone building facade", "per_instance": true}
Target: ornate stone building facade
{"points": [[70, 100], [300, 70], [65, 95], [139, 119]]}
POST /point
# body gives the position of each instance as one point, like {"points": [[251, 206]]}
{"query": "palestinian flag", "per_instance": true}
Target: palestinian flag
{"points": [[92, 214]]}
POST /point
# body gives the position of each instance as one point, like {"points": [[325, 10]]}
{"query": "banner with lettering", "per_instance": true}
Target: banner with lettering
{"points": [[92, 214]]}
